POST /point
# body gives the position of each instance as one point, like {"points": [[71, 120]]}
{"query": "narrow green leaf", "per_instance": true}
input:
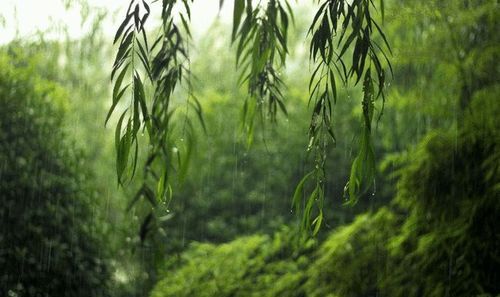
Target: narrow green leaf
{"points": [[121, 28], [115, 102], [118, 129], [306, 218], [119, 80], [239, 7], [298, 192], [317, 223], [186, 26]]}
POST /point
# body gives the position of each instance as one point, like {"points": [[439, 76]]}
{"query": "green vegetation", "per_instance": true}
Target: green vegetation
{"points": [[208, 171], [343, 50], [47, 246], [437, 238], [256, 265]]}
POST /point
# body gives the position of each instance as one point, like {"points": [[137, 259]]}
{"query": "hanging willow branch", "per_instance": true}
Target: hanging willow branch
{"points": [[164, 65], [347, 45], [340, 28], [261, 50]]}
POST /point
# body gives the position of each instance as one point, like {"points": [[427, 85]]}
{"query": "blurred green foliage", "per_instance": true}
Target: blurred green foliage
{"points": [[437, 238], [257, 265], [47, 246], [78, 67]]}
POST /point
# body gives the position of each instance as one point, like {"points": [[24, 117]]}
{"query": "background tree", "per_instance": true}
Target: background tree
{"points": [[47, 246]]}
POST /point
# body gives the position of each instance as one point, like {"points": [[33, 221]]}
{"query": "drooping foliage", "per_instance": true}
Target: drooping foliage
{"points": [[339, 26], [260, 37], [48, 243], [232, 190], [261, 52], [165, 65]]}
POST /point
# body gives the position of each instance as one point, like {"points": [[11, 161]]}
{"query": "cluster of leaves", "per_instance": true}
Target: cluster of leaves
{"points": [[235, 191], [261, 53], [261, 38], [453, 191], [165, 65], [48, 245], [352, 260], [337, 27], [438, 238]]}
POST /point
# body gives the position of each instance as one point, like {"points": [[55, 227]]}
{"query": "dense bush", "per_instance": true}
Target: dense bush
{"points": [[438, 239], [249, 266], [450, 245], [47, 239], [351, 262]]}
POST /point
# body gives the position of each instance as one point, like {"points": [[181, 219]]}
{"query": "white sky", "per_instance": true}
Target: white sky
{"points": [[27, 17]]}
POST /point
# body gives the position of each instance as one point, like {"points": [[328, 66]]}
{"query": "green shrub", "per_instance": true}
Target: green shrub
{"points": [[249, 266], [439, 238], [47, 241], [450, 244], [351, 262]]}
